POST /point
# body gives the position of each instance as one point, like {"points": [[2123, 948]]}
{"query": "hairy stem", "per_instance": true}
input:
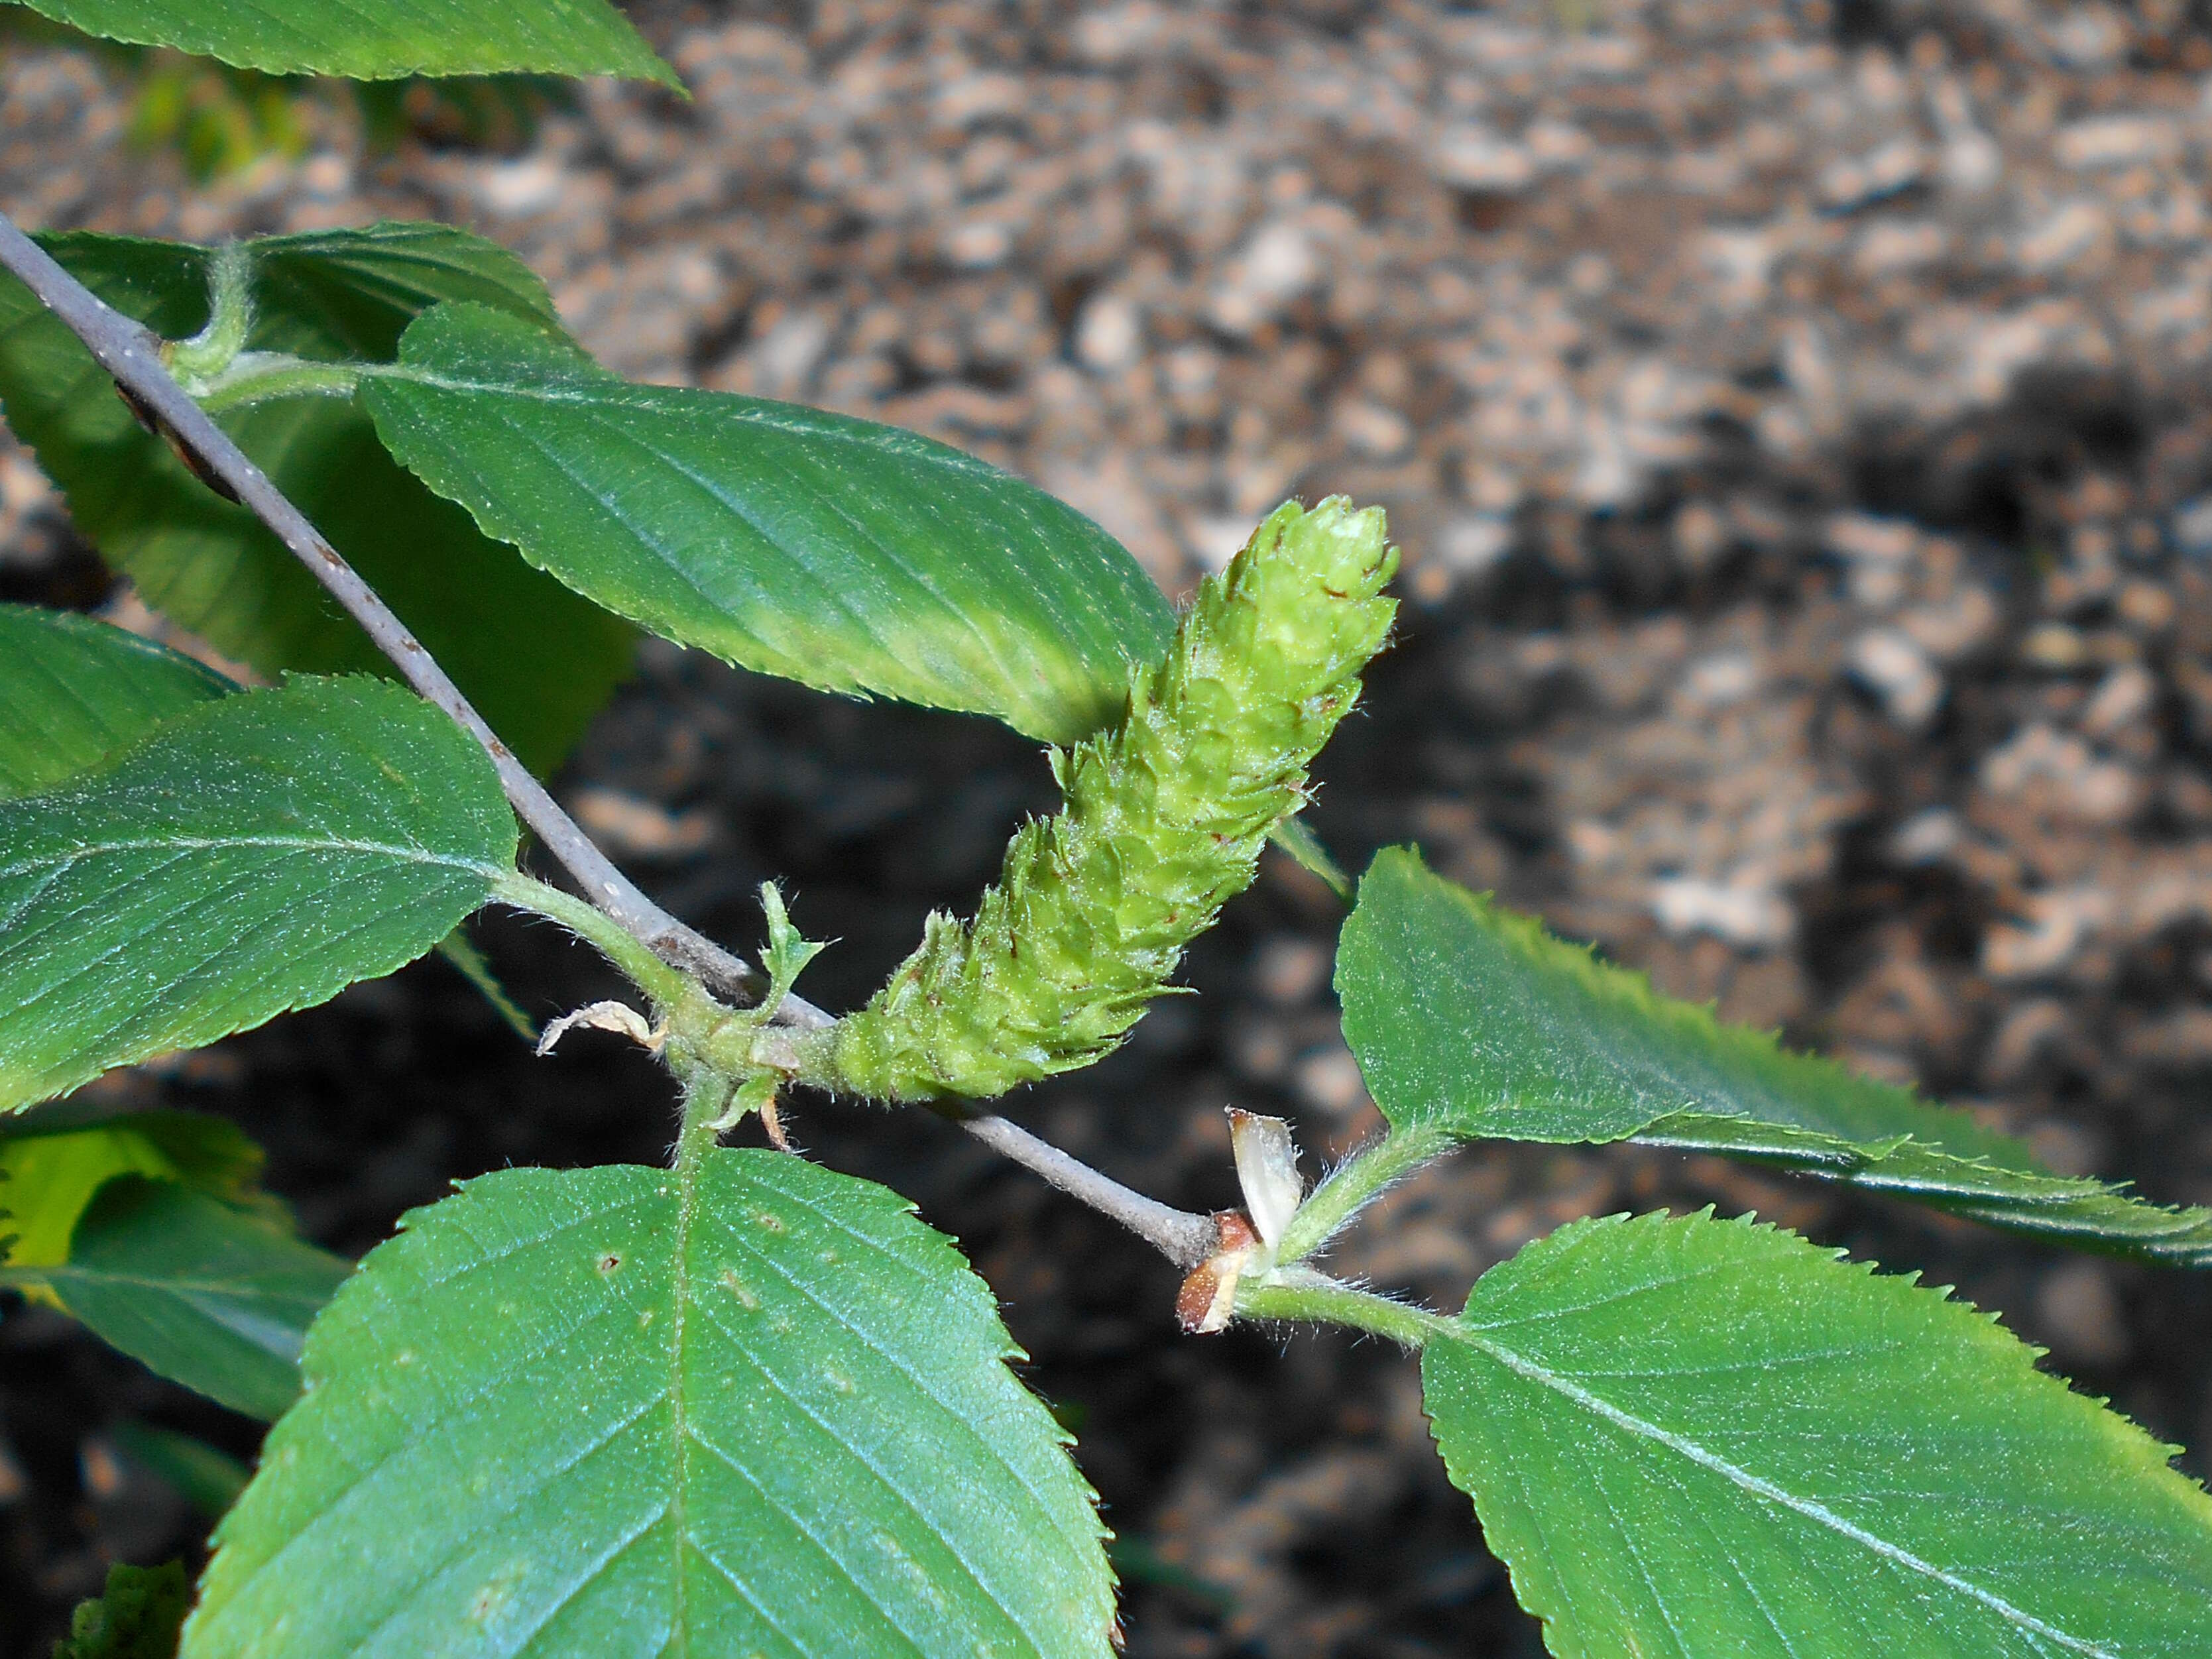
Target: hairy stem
{"points": [[256, 377], [1355, 1186], [219, 383], [1323, 1302], [654, 949], [660, 982], [230, 319], [706, 1093], [1183, 1237], [132, 354]]}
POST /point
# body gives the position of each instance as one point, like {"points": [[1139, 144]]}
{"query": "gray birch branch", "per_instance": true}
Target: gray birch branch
{"points": [[131, 353]]}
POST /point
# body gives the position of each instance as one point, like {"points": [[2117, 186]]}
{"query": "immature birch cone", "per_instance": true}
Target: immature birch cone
{"points": [[1164, 821]]}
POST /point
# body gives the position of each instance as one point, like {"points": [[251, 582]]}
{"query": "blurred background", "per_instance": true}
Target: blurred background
{"points": [[1796, 420]]}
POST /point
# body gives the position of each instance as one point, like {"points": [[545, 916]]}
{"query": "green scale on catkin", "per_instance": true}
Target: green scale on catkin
{"points": [[1162, 823]]}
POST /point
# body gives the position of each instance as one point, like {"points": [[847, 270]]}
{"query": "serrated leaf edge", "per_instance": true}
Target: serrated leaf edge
{"points": [[1462, 1331], [2024, 1199]]}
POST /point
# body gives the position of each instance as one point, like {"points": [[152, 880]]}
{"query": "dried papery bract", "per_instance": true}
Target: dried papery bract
{"points": [[1268, 1171], [1163, 822], [1208, 1300]]}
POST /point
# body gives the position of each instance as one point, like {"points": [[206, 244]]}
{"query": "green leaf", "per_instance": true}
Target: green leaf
{"points": [[470, 963], [152, 1229], [850, 556], [194, 1289], [48, 1181], [1692, 1438], [50, 1167], [73, 691], [386, 41], [536, 660], [1471, 1020], [137, 1617], [758, 1408], [258, 853], [353, 292], [1303, 848]]}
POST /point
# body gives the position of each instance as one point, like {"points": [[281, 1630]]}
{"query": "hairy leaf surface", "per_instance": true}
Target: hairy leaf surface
{"points": [[73, 691], [756, 1408], [201, 1291], [259, 853], [1471, 1019], [1697, 1437], [384, 41], [536, 659], [847, 556]]}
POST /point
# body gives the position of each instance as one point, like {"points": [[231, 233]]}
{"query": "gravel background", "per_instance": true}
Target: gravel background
{"points": [[1797, 423]]}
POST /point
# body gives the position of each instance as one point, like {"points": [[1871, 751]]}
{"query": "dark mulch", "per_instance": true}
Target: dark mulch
{"points": [[1811, 605]]}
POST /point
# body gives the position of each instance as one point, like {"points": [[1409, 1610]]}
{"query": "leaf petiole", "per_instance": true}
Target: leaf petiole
{"points": [[230, 319], [255, 377], [664, 984], [1355, 1185], [1313, 1299]]}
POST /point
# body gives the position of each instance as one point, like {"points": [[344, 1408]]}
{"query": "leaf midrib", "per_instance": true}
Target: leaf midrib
{"points": [[922, 1384], [690, 1166], [619, 394], [683, 1437], [400, 852], [1810, 1509]]}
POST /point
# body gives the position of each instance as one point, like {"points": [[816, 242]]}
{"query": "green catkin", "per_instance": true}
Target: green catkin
{"points": [[1164, 821]]}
